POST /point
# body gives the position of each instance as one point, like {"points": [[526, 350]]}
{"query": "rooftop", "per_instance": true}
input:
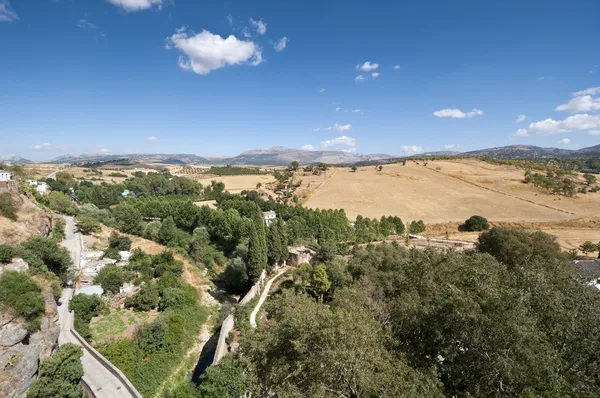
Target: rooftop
{"points": [[588, 267], [269, 213]]}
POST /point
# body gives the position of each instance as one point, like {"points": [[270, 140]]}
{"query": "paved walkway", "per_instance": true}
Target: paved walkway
{"points": [[101, 381], [263, 297]]}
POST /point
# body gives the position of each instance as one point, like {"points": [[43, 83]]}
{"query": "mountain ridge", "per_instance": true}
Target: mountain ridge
{"points": [[278, 156]]}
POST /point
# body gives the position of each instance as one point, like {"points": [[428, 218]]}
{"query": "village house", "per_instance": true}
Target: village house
{"points": [[269, 217], [5, 176], [300, 255]]}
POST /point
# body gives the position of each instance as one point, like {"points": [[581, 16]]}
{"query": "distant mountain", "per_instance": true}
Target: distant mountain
{"points": [[134, 157], [440, 153], [521, 152], [14, 159], [589, 151]]}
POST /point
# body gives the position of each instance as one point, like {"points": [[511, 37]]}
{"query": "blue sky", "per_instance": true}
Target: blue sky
{"points": [[218, 77]]}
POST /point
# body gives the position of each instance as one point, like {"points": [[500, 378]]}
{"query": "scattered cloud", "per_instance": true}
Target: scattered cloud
{"points": [[594, 132], [49, 147], [584, 103], [261, 27], [342, 140], [359, 78], [411, 149], [593, 70], [550, 126], [457, 113], [396, 67], [356, 111], [317, 129], [338, 109], [452, 146], [152, 138], [349, 150], [280, 44], [521, 118], [308, 147], [102, 150], [340, 127], [322, 90], [137, 5], [230, 19], [367, 66], [375, 74], [564, 141], [545, 78], [204, 52], [90, 27], [6, 12], [587, 91]]}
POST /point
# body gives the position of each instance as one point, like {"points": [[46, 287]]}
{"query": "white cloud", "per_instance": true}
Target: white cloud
{"points": [[355, 110], [452, 146], [587, 91], [317, 129], [375, 74], [593, 70], [338, 109], [359, 78], [342, 140], [594, 132], [136, 5], [102, 150], [396, 67], [261, 27], [322, 90], [230, 19], [584, 103], [564, 141], [86, 25], [205, 51], [367, 66], [411, 149], [308, 147], [457, 113], [550, 126], [349, 150], [521, 118], [280, 44], [49, 147], [545, 78], [152, 138], [340, 127], [6, 12]]}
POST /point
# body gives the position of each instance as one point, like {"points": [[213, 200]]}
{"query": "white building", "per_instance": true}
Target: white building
{"points": [[5, 176], [269, 217], [42, 188]]}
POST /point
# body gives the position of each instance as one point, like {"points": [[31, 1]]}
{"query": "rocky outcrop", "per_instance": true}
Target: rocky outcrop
{"points": [[21, 352]]}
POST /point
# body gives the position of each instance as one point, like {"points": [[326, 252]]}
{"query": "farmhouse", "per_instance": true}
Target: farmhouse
{"points": [[269, 216], [5, 176]]}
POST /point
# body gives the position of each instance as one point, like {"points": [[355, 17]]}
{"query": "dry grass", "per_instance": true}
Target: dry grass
{"points": [[30, 221]]}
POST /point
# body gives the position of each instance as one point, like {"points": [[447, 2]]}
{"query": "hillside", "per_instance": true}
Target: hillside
{"points": [[30, 221]]}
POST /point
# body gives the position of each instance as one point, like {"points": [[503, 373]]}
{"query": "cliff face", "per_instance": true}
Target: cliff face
{"points": [[21, 352]]}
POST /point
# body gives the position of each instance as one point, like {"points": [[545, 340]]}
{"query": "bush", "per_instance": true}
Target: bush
{"points": [[40, 249], [87, 224], [144, 300], [152, 337], [58, 229], [7, 207], [112, 253], [476, 223], [60, 374], [119, 242], [7, 253], [111, 278], [85, 307], [416, 227], [21, 293], [61, 203]]}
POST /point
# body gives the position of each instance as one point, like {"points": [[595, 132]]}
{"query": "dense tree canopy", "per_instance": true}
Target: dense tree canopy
{"points": [[60, 375]]}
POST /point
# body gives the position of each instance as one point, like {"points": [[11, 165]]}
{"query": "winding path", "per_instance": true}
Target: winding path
{"points": [[99, 377], [263, 297]]}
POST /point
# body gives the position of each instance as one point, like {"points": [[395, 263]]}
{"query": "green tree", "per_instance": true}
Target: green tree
{"points": [[119, 242], [7, 253], [111, 278], [61, 203], [320, 283], [228, 379], [60, 374], [85, 307], [294, 165], [236, 275], [129, 219], [152, 230], [7, 207], [476, 223], [354, 168], [589, 178], [276, 243], [144, 300], [58, 229], [416, 227], [152, 337], [588, 247], [88, 225], [57, 259], [326, 251], [168, 233], [257, 251], [21, 293]]}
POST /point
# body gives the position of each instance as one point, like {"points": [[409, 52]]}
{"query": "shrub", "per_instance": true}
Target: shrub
{"points": [[60, 374], [87, 224], [58, 229], [7, 207], [111, 278], [144, 300], [7, 253], [21, 293], [44, 250], [61, 203], [416, 227], [120, 242], [112, 253], [85, 307], [152, 337], [476, 223]]}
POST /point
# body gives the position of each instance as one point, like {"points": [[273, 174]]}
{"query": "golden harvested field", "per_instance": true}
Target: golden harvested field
{"points": [[234, 184]]}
